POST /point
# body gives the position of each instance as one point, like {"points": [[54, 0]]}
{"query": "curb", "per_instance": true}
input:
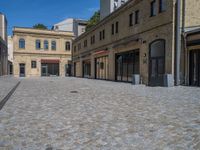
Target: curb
{"points": [[6, 98]]}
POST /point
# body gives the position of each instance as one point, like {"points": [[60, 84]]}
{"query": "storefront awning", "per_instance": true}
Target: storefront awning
{"points": [[50, 61], [101, 52]]}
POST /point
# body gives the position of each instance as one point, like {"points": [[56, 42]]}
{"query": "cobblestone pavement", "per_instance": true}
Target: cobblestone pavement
{"points": [[6, 84], [71, 113]]}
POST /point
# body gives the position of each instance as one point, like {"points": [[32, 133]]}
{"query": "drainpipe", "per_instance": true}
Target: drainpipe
{"points": [[178, 41]]}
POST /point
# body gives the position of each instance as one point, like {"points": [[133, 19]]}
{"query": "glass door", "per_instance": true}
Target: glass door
{"points": [[22, 70], [195, 68], [44, 69]]}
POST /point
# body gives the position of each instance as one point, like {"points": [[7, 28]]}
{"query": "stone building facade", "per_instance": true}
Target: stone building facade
{"points": [[141, 38], [41, 52]]}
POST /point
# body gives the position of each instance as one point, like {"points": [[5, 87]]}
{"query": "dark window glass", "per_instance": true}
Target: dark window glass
{"points": [[131, 19], [67, 46], [162, 5], [46, 45], [22, 43], [53, 45], [100, 35], [153, 8], [137, 17], [113, 29], [33, 64], [103, 34], [85, 43], [74, 48], [38, 44], [117, 27], [79, 46]]}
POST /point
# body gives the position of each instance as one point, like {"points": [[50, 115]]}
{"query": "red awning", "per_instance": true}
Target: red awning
{"points": [[101, 52], [50, 61]]}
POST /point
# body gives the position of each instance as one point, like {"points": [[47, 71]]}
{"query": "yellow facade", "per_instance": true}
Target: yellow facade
{"points": [[28, 52], [137, 37]]}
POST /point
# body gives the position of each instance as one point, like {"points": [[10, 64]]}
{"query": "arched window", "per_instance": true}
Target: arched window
{"points": [[22, 43], [38, 44], [46, 45], [67, 46], [157, 62], [53, 45], [157, 48]]}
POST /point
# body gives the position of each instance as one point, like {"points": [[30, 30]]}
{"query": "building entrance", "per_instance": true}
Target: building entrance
{"points": [[194, 71]]}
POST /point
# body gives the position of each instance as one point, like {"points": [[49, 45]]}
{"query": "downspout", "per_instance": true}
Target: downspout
{"points": [[178, 41]]}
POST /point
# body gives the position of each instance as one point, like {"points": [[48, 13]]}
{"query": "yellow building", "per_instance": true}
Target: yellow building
{"points": [[142, 39], [41, 52]]}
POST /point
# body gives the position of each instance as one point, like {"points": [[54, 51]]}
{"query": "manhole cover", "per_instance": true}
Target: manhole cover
{"points": [[73, 91]]}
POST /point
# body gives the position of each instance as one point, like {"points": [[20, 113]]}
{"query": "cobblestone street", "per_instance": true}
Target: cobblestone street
{"points": [[71, 113]]}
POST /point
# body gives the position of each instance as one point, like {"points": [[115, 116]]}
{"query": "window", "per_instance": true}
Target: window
{"points": [[79, 46], [113, 29], [162, 5], [131, 19], [38, 44], [153, 8], [67, 46], [33, 64], [100, 35], [117, 26], [53, 45], [137, 17], [46, 45], [74, 49], [22, 43], [93, 39], [103, 34], [85, 43]]}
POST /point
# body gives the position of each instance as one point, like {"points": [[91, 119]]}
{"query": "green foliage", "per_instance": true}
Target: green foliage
{"points": [[93, 20], [39, 26]]}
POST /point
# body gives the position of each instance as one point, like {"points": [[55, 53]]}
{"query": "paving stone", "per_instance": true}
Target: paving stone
{"points": [[47, 113]]}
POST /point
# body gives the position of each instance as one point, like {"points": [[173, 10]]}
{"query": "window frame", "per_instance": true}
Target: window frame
{"points": [[53, 45], [161, 8], [153, 10], [38, 44], [22, 43], [46, 43], [33, 64], [117, 27], [67, 46], [130, 19], [137, 16]]}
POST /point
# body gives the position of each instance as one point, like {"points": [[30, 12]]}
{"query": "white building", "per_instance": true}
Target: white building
{"points": [[77, 26], [108, 6]]}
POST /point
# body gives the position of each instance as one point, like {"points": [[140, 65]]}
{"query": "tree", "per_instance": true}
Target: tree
{"points": [[93, 20], [39, 26]]}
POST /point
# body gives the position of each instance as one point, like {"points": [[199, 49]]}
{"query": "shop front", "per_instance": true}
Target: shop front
{"points": [[101, 68], [194, 67], [49, 67], [86, 68], [127, 64]]}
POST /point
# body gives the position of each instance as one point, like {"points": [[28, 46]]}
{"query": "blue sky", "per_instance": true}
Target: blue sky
{"points": [[26, 13]]}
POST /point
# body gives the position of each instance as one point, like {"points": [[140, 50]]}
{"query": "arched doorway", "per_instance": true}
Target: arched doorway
{"points": [[157, 63]]}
